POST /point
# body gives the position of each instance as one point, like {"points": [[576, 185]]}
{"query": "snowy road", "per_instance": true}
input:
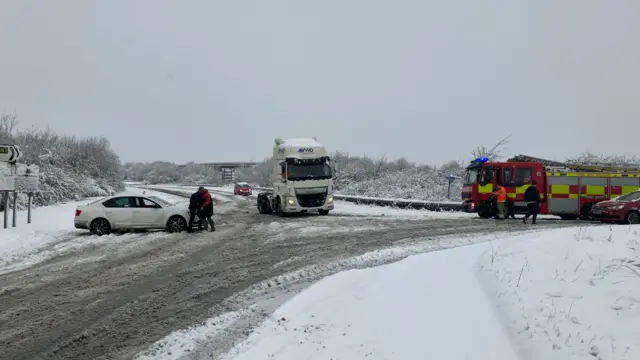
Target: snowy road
{"points": [[114, 298]]}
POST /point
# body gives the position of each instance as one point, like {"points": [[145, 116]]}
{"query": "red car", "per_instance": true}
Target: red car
{"points": [[242, 189], [623, 209]]}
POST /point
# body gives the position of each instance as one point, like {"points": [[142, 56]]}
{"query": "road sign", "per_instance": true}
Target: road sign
{"points": [[7, 177], [10, 153], [27, 178]]}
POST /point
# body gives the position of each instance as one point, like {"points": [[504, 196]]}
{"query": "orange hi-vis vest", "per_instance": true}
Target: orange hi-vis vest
{"points": [[502, 195]]}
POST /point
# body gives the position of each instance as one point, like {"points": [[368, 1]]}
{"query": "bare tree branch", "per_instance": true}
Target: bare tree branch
{"points": [[494, 153]]}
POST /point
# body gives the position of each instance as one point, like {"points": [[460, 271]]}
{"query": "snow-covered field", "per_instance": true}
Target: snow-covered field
{"points": [[553, 294], [51, 233]]}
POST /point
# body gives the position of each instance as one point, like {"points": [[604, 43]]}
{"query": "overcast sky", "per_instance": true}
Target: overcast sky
{"points": [[428, 80]]}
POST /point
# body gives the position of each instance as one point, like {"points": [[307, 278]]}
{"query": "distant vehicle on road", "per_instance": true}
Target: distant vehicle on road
{"points": [[623, 209], [242, 188], [131, 211]]}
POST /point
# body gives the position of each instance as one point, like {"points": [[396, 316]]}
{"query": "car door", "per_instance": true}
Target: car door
{"points": [[149, 213], [119, 211]]}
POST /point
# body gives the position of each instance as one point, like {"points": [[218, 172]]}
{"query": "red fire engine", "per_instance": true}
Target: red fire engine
{"points": [[566, 190]]}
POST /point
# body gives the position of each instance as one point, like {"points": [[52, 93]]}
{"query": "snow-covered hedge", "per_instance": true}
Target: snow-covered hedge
{"points": [[70, 167]]}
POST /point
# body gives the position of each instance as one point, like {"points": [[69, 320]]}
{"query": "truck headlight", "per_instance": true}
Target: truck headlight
{"points": [[329, 199], [291, 202]]}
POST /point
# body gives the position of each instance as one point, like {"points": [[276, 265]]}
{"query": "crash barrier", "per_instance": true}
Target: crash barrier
{"points": [[361, 200]]}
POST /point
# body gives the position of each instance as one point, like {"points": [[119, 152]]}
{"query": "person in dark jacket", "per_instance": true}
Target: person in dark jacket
{"points": [[206, 210], [195, 203], [509, 208], [532, 198]]}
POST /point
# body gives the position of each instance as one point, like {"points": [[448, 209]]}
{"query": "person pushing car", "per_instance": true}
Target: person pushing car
{"points": [[206, 210], [195, 203]]}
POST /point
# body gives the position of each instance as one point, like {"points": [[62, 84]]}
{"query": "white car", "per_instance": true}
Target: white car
{"points": [[128, 211]]}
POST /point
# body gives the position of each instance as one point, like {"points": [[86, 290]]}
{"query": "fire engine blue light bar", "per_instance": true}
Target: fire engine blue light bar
{"points": [[482, 160]]}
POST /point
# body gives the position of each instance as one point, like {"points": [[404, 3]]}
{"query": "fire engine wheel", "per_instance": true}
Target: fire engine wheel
{"points": [[484, 214], [633, 217]]}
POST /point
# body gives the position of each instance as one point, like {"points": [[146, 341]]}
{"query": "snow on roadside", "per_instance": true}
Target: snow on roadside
{"points": [[423, 307], [52, 233], [350, 209], [569, 293], [49, 224]]}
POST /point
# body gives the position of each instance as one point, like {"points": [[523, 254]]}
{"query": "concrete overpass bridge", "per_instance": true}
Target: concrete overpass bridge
{"points": [[226, 168]]}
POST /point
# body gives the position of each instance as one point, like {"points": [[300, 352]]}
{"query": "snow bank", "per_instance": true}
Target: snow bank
{"points": [[350, 209], [570, 293], [50, 224], [428, 306]]}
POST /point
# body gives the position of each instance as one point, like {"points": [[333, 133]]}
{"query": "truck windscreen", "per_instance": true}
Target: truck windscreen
{"points": [[471, 175], [309, 172]]}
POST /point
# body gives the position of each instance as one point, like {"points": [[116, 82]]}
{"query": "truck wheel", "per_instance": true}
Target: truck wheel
{"points": [[278, 208], [633, 217], [323, 212]]}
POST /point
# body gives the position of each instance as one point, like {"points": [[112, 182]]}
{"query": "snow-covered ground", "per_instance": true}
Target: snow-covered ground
{"points": [[553, 294], [428, 306], [345, 208], [50, 233], [570, 293]]}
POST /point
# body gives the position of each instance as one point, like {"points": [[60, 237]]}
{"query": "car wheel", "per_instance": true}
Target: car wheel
{"points": [[323, 212], [584, 212], [100, 227], [176, 224], [633, 217]]}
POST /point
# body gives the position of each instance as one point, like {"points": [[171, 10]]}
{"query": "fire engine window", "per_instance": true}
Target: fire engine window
{"points": [[487, 175], [523, 176], [508, 177]]}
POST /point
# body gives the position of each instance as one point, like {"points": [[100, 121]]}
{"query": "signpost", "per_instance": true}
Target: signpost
{"points": [[16, 178], [451, 179]]}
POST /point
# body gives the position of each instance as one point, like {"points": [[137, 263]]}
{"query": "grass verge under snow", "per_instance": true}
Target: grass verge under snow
{"points": [[570, 293]]}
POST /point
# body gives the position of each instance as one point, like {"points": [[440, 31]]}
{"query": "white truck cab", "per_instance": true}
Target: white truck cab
{"points": [[302, 179]]}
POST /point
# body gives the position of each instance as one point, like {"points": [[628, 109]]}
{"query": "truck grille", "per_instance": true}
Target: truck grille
{"points": [[311, 200]]}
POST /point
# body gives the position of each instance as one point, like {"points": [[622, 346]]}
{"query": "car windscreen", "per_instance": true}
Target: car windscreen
{"points": [[633, 196]]}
